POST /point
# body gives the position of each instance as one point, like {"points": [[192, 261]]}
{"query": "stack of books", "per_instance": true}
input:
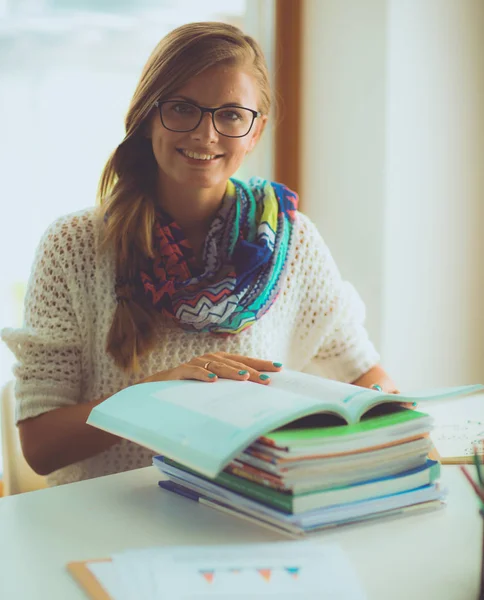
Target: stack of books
{"points": [[299, 455], [304, 479]]}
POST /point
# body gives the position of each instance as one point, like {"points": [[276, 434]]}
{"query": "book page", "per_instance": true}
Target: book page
{"points": [[236, 403], [201, 425], [332, 395], [297, 388], [312, 386], [366, 399]]}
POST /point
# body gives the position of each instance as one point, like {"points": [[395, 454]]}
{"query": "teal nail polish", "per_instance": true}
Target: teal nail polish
{"points": [[243, 372], [211, 375], [414, 404], [277, 365], [264, 377]]}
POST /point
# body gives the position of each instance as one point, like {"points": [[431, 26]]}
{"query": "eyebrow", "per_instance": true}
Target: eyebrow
{"points": [[192, 101]]}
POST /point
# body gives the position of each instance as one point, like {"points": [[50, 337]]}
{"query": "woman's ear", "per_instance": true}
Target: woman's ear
{"points": [[260, 126]]}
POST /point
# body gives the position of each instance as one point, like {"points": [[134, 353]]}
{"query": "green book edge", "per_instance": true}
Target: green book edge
{"points": [[286, 436]]}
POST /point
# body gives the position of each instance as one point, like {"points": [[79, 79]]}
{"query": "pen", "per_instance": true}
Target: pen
{"points": [[479, 491], [478, 466]]}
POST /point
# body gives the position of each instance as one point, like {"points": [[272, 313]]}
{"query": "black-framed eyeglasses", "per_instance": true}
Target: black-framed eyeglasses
{"points": [[230, 121]]}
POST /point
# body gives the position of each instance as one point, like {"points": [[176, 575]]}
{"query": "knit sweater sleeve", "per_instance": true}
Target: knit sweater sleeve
{"points": [[48, 346], [341, 348]]}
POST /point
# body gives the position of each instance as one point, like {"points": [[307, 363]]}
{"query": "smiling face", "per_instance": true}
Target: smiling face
{"points": [[203, 158]]}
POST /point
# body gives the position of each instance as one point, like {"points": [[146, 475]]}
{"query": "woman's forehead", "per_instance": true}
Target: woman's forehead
{"points": [[220, 85]]}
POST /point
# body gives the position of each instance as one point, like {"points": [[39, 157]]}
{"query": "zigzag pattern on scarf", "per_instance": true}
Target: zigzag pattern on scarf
{"points": [[244, 258]]}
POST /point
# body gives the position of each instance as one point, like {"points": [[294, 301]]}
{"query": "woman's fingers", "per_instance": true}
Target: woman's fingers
{"points": [[227, 370], [198, 373], [248, 372], [242, 368], [411, 405], [256, 364], [220, 365], [233, 370]]}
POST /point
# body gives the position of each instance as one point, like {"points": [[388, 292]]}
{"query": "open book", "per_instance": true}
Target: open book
{"points": [[205, 425]]}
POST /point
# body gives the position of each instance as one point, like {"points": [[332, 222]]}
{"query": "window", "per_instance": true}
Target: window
{"points": [[68, 69]]}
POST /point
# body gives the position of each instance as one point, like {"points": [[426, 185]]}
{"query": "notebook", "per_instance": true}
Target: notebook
{"points": [[205, 425]]}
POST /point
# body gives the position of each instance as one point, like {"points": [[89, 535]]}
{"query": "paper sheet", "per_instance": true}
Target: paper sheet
{"points": [[458, 424], [105, 573], [288, 570]]}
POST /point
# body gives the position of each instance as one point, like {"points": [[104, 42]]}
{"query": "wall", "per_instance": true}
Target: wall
{"points": [[434, 260], [393, 147], [343, 146]]}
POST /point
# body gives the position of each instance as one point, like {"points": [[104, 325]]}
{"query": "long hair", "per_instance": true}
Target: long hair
{"points": [[126, 193]]}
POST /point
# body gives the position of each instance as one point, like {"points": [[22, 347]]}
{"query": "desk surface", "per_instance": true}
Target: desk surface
{"points": [[435, 555]]}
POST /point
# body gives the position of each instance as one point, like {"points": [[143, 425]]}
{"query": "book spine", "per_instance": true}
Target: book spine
{"points": [[283, 502], [256, 478], [277, 479], [255, 491]]}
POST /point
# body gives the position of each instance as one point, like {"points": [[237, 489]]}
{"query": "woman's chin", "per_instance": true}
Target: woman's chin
{"points": [[202, 180]]}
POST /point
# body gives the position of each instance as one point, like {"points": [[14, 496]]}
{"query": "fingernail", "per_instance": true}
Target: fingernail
{"points": [[414, 404], [243, 372], [211, 376], [264, 377], [277, 365]]}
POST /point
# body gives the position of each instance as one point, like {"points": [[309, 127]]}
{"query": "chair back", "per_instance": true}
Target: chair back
{"points": [[18, 477]]}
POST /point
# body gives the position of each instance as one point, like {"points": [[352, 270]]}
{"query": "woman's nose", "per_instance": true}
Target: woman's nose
{"points": [[205, 129]]}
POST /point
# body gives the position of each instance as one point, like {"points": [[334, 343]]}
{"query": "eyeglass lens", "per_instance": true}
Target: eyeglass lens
{"points": [[183, 116]]}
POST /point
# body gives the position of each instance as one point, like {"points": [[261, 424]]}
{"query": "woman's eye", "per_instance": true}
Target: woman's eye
{"points": [[230, 115], [183, 109]]}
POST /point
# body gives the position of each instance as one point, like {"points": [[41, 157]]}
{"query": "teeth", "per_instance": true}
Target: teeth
{"points": [[198, 156]]}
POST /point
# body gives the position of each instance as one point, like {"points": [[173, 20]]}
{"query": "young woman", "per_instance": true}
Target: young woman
{"points": [[181, 272]]}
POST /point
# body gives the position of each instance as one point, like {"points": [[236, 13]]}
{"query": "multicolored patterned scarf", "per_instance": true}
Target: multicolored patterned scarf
{"points": [[244, 256]]}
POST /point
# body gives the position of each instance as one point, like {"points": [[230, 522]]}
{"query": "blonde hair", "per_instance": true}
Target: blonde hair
{"points": [[126, 189]]}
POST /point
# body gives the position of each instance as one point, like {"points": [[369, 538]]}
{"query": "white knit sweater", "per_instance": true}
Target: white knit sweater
{"points": [[316, 325]]}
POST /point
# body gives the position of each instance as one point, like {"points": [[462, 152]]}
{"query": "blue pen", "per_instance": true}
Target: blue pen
{"points": [[173, 487]]}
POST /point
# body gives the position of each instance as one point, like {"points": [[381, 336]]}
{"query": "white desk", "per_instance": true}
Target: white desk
{"points": [[426, 556]]}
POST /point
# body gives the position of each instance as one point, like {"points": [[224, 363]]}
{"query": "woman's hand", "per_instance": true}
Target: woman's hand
{"points": [[220, 365], [378, 379]]}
